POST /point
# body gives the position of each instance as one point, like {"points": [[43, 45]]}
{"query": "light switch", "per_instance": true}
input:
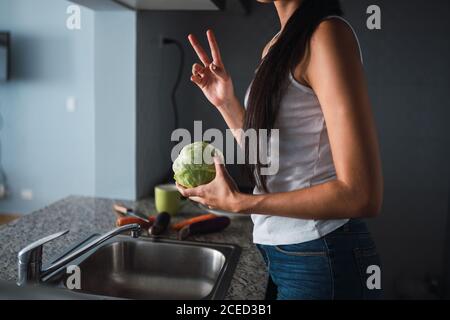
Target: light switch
{"points": [[26, 194], [71, 104]]}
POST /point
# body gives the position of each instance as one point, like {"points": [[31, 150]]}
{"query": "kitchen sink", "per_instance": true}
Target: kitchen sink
{"points": [[153, 268]]}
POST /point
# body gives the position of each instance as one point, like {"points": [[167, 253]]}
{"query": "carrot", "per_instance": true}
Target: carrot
{"points": [[122, 221], [181, 224]]}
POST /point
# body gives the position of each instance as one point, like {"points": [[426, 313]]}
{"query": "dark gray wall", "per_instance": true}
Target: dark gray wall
{"points": [[241, 38], [407, 68]]}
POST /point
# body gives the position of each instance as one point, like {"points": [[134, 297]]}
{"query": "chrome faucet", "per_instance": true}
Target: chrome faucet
{"points": [[30, 258]]}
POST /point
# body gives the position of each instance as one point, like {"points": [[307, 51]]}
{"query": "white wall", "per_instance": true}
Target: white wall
{"points": [[46, 149], [115, 82]]}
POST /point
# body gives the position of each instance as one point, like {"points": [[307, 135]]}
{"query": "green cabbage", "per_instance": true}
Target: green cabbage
{"points": [[194, 165]]}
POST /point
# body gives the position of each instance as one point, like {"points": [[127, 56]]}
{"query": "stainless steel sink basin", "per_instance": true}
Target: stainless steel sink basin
{"points": [[146, 268]]}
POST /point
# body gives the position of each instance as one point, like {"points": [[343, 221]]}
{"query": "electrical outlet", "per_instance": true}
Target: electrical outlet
{"points": [[160, 41], [26, 194], [71, 104]]}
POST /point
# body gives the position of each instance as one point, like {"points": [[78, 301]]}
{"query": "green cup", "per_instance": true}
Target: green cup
{"points": [[167, 198]]}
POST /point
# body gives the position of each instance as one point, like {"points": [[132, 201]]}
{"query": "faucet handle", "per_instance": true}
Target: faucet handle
{"points": [[26, 252], [30, 257]]}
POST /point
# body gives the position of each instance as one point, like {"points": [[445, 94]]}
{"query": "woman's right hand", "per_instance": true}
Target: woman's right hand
{"points": [[211, 76]]}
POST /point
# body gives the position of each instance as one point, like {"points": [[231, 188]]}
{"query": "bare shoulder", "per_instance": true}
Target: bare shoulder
{"points": [[334, 35]]}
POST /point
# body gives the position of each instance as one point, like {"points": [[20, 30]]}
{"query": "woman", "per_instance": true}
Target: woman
{"points": [[310, 85]]}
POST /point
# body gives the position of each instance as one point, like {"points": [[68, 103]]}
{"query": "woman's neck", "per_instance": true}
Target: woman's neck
{"points": [[285, 9]]}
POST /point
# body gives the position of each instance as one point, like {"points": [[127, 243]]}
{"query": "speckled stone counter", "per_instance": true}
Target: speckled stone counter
{"points": [[85, 216]]}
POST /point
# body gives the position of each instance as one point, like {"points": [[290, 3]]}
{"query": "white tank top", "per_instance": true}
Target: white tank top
{"points": [[305, 160]]}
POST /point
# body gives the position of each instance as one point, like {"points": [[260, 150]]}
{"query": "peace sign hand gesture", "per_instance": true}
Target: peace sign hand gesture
{"points": [[211, 76]]}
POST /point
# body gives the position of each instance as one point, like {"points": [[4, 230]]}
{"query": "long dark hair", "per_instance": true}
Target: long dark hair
{"points": [[271, 78]]}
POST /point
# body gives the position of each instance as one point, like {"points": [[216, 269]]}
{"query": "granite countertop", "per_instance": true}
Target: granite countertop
{"points": [[85, 216]]}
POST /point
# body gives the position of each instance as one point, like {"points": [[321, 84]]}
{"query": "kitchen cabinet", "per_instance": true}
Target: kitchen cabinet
{"points": [[102, 5], [173, 4]]}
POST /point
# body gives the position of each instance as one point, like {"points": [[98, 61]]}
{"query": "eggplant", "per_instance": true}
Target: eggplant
{"points": [[203, 227], [161, 223]]}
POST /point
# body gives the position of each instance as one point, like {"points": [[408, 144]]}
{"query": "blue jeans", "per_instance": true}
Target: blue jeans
{"points": [[332, 267]]}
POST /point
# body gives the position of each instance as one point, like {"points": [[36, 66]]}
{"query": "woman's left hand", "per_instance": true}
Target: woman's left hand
{"points": [[221, 193]]}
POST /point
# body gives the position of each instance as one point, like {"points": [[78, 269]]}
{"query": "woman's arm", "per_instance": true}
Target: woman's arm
{"points": [[234, 115], [335, 73], [216, 84]]}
